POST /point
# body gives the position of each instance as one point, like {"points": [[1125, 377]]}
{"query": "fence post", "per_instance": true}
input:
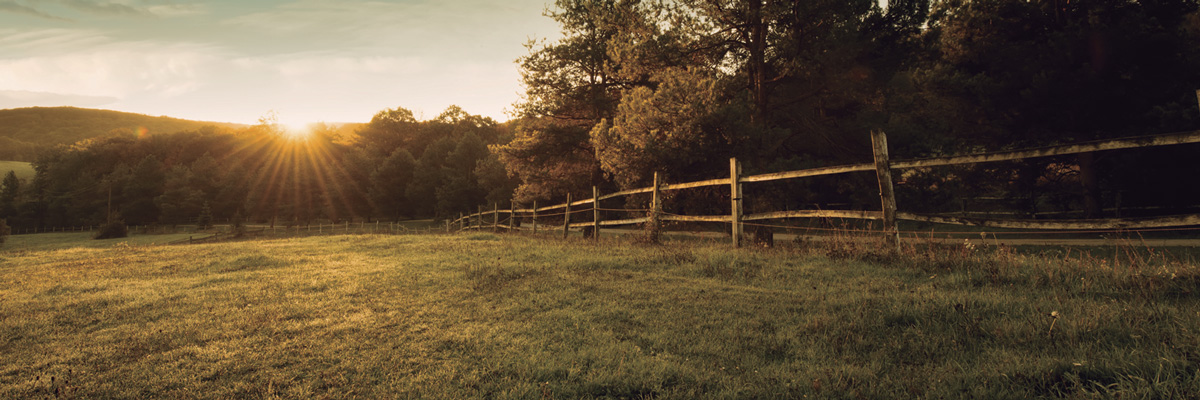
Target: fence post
{"points": [[886, 196], [512, 215], [655, 209], [535, 217], [479, 215], [495, 217], [735, 196], [595, 213], [447, 226], [567, 216]]}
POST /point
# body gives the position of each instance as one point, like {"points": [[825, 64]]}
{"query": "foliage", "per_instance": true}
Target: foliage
{"points": [[205, 219], [9, 189], [266, 175], [112, 230], [389, 183]]}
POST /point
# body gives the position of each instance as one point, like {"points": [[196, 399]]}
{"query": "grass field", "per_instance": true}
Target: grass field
{"points": [[23, 169], [484, 315]]}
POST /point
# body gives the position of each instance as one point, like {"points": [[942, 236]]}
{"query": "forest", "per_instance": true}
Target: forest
{"points": [[678, 87]]}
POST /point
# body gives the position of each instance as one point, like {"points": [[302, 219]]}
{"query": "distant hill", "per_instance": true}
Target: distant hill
{"points": [[24, 131]]}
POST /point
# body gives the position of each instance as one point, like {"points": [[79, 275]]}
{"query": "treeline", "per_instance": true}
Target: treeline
{"points": [[677, 86], [394, 167]]}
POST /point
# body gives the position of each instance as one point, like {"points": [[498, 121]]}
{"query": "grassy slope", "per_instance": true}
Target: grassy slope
{"points": [[23, 131], [23, 169], [469, 315]]}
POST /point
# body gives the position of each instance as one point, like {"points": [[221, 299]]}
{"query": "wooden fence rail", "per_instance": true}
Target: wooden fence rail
{"points": [[888, 212]]}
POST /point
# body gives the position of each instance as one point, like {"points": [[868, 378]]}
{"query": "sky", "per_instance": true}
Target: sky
{"points": [[240, 60]]}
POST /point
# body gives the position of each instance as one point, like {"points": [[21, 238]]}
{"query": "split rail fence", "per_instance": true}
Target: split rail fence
{"points": [[882, 166]]}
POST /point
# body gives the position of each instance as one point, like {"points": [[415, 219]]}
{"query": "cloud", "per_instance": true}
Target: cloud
{"points": [[14, 7], [100, 66], [177, 10], [104, 8], [25, 98], [52, 41]]}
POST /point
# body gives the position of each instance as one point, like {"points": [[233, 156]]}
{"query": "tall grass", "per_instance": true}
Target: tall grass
{"points": [[502, 316]]}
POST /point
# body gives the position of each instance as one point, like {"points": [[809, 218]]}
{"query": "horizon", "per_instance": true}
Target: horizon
{"points": [[306, 61]]}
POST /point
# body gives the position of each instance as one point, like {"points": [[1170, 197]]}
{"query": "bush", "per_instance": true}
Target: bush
{"points": [[237, 228], [111, 230], [4, 231]]}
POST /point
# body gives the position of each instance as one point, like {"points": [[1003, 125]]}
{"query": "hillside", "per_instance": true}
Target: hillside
{"points": [[25, 130]]}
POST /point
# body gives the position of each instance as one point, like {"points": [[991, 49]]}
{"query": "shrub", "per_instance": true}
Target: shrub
{"points": [[237, 228], [112, 229]]}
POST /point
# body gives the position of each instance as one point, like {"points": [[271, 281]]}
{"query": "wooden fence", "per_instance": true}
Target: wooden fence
{"points": [[882, 166]]}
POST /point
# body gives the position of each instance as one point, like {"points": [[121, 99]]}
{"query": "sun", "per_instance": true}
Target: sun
{"points": [[296, 131]]}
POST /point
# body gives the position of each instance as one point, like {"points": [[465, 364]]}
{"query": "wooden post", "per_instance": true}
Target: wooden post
{"points": [[883, 171], [567, 217], [479, 216], [655, 209], [447, 226], [535, 217], [735, 195], [462, 222], [595, 213], [495, 217], [512, 215]]}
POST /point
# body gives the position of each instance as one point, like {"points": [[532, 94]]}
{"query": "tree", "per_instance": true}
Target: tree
{"points": [[205, 219], [4, 231], [145, 183], [390, 130], [571, 85], [9, 189], [389, 184], [459, 190], [428, 176], [180, 202], [1021, 74]]}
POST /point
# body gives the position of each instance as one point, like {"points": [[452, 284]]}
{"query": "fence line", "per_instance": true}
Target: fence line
{"points": [[888, 212]]}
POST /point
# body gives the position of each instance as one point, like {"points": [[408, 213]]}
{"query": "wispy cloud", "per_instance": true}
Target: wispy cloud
{"points": [[177, 10], [24, 98], [103, 7], [18, 8]]}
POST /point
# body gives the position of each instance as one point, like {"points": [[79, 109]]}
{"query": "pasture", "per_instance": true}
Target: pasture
{"points": [[510, 316], [23, 169]]}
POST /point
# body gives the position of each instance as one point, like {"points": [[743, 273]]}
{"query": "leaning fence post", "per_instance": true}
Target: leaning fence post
{"points": [[535, 217], [595, 213], [567, 216], [735, 195], [886, 195]]}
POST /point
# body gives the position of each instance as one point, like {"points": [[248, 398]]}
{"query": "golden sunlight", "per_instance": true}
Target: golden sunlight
{"points": [[296, 131]]}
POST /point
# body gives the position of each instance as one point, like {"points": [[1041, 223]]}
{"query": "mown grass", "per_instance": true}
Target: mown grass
{"points": [[486, 315]]}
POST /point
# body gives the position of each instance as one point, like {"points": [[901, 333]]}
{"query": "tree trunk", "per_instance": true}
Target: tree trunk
{"points": [[757, 61]]}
